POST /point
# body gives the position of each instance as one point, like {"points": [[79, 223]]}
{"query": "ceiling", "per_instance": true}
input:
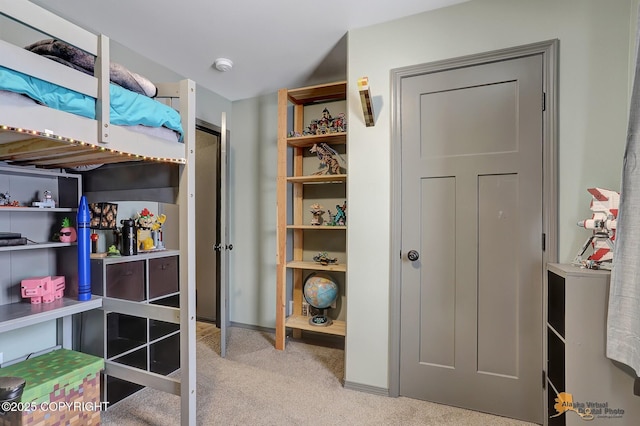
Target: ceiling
{"points": [[274, 44]]}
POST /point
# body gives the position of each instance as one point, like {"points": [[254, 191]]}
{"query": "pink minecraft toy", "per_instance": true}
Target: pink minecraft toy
{"points": [[43, 289]]}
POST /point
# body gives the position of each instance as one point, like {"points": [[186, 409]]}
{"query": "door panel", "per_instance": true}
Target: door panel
{"points": [[472, 205], [437, 266]]}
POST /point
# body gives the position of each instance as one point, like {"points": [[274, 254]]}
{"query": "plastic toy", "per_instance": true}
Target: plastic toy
{"points": [[328, 163], [603, 222], [43, 289], [46, 202], [68, 233]]}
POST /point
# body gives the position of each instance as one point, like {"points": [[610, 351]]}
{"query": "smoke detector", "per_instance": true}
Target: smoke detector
{"points": [[223, 64]]}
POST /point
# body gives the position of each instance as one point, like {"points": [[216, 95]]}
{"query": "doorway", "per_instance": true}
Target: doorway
{"points": [[207, 222], [475, 186]]}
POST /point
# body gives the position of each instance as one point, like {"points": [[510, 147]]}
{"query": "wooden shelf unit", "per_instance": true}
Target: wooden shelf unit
{"points": [[293, 258]]}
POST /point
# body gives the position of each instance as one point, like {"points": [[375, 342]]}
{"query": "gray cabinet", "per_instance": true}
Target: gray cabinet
{"points": [[127, 333], [577, 302]]}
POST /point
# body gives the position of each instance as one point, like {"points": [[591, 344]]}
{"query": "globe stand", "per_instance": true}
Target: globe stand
{"points": [[321, 320]]}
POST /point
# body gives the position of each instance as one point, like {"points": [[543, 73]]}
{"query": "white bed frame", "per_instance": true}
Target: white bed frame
{"points": [[42, 136]]}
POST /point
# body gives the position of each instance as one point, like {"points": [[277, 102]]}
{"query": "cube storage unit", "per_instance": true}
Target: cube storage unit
{"points": [[128, 284], [578, 370]]}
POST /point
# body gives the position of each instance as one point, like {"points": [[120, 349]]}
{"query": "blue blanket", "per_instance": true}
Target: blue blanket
{"points": [[127, 108]]}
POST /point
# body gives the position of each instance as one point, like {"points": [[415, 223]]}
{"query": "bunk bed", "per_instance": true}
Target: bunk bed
{"points": [[40, 136]]}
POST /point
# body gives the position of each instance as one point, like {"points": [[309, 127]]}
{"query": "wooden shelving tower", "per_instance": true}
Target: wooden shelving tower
{"points": [[295, 146]]}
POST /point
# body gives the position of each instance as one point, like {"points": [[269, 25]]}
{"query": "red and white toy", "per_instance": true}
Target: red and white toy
{"points": [[43, 289], [604, 205]]}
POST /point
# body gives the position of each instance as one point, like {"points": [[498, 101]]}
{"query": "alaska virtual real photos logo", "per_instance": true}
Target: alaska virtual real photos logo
{"points": [[586, 410]]}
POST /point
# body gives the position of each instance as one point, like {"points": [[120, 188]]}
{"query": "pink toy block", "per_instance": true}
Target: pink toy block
{"points": [[58, 285], [43, 289]]}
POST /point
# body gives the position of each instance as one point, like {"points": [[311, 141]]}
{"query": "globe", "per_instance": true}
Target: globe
{"points": [[320, 291]]}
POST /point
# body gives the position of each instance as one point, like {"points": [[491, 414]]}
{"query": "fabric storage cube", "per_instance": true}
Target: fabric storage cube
{"points": [[62, 387]]}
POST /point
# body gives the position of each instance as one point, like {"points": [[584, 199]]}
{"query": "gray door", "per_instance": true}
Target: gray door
{"points": [[471, 304], [207, 183]]}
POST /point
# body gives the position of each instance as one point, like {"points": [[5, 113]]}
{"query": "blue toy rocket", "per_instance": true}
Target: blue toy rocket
{"points": [[84, 250]]}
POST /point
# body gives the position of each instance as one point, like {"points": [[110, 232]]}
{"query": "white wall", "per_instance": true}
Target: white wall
{"points": [[594, 86]]}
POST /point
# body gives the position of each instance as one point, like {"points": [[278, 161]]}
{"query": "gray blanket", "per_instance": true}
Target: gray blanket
{"points": [[80, 60]]}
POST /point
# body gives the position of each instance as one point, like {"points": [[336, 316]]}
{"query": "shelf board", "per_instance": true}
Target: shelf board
{"points": [[23, 314], [37, 209], [317, 227], [323, 92], [297, 264], [338, 328], [330, 138], [36, 246], [318, 179]]}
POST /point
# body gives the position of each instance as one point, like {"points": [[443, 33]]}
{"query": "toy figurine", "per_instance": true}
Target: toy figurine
{"points": [[68, 233], [46, 202], [324, 259], [43, 289], [317, 212], [604, 205], [149, 230], [328, 163], [341, 216]]}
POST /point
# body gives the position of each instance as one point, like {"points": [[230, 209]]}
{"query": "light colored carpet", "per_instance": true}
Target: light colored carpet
{"points": [[258, 385]]}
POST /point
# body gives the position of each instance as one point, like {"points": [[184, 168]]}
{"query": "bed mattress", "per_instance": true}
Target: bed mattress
{"points": [[139, 112]]}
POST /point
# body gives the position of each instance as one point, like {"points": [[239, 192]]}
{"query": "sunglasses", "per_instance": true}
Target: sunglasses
{"points": [[66, 233]]}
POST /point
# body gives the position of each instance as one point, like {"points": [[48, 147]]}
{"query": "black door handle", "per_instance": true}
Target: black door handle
{"points": [[413, 255]]}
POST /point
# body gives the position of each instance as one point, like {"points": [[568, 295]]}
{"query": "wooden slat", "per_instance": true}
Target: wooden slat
{"points": [[338, 328], [336, 267], [330, 138], [25, 148], [318, 179], [323, 92], [317, 227]]}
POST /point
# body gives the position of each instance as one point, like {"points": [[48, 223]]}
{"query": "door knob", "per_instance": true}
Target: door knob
{"points": [[413, 255]]}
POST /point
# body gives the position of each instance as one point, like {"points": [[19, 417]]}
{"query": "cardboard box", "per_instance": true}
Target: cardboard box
{"points": [[62, 387]]}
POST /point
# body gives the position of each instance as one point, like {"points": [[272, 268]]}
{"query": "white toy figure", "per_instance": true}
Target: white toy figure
{"points": [[604, 206], [46, 202]]}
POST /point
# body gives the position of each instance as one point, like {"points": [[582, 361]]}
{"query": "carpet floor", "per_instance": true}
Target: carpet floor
{"points": [[258, 385]]}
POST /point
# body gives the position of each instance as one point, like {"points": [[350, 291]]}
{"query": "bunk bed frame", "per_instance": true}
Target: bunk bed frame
{"points": [[44, 137]]}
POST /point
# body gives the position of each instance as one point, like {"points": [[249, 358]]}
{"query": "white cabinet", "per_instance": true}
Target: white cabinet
{"points": [[576, 351]]}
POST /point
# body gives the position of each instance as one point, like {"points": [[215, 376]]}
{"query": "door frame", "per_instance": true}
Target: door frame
{"points": [[549, 51], [222, 226]]}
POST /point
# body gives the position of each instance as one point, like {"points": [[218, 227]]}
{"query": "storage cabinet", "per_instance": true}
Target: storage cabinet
{"points": [[141, 342], [576, 351], [304, 181], [41, 256]]}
